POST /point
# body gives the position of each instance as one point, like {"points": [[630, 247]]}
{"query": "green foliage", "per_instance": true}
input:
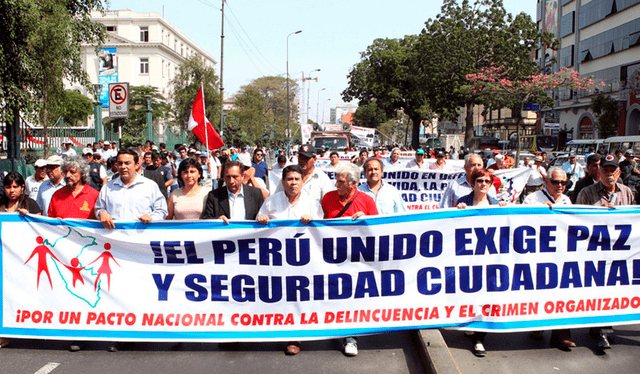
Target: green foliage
{"points": [[391, 74], [185, 87], [260, 111], [607, 113], [40, 45], [369, 115], [134, 129], [74, 107], [465, 39]]}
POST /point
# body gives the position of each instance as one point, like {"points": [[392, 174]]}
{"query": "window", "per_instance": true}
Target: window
{"points": [[144, 33], [181, 49], [111, 28], [163, 67], [144, 65]]}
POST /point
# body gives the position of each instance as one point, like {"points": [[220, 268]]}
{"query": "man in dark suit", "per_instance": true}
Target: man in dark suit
{"points": [[234, 200]]}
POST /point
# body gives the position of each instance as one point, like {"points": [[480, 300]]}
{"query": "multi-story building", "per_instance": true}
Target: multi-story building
{"points": [[143, 49], [599, 38]]}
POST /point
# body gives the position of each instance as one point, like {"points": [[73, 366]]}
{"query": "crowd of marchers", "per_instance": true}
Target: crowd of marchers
{"points": [[149, 183]]}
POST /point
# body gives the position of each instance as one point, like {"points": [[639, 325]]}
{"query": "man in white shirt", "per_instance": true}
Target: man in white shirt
{"points": [[553, 193], [387, 197], [334, 158], [292, 202], [418, 162], [54, 183], [316, 182], [574, 170], [34, 182], [393, 162], [131, 196], [68, 151]]}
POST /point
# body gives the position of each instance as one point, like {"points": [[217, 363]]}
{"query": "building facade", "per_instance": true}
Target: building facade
{"points": [[143, 49], [598, 38]]}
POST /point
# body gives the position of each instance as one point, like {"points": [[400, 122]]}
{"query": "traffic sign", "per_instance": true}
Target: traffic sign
{"points": [[118, 100]]}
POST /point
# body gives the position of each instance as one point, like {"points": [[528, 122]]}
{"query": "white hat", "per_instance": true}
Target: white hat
{"points": [[87, 151], [40, 163], [498, 157]]}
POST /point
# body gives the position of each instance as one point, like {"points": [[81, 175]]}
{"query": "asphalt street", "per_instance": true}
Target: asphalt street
{"points": [[382, 353]]}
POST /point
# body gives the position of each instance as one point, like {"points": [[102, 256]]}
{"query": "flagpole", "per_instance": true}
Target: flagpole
{"points": [[204, 115]]}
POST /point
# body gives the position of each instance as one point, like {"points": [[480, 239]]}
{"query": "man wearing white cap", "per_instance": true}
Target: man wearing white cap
{"points": [[68, 151], [33, 182], [107, 153], [55, 182]]}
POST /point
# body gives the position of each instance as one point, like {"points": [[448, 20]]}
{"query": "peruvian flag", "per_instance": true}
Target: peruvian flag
{"points": [[200, 125]]}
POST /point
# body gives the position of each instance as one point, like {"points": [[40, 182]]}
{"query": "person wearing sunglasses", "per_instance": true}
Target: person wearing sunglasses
{"points": [[553, 194], [553, 191], [481, 182]]}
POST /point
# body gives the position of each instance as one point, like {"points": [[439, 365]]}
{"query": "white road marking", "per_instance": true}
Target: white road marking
{"points": [[48, 368]]}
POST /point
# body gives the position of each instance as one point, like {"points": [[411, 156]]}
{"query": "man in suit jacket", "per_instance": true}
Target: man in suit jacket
{"points": [[234, 200]]}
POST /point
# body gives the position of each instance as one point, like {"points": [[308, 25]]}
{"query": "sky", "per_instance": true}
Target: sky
{"points": [[334, 33]]}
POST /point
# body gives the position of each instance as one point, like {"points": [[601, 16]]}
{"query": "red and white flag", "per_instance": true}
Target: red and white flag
{"points": [[200, 126]]}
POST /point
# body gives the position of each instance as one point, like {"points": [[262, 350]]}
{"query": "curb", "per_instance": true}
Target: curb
{"points": [[435, 354]]}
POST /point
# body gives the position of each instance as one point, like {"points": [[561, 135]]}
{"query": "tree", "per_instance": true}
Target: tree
{"points": [[465, 39], [74, 107], [607, 113], [41, 44], [493, 84], [261, 110], [392, 75], [369, 115], [134, 128], [186, 84]]}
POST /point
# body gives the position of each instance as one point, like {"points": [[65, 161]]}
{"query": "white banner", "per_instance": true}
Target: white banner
{"points": [[422, 189], [492, 269]]}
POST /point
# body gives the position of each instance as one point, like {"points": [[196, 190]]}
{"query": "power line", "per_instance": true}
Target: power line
{"points": [[248, 37], [240, 42]]}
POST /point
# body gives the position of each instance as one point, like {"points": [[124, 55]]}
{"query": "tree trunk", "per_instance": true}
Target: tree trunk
{"points": [[469, 131], [415, 133]]}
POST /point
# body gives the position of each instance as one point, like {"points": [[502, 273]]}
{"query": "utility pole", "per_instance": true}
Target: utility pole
{"points": [[221, 70]]}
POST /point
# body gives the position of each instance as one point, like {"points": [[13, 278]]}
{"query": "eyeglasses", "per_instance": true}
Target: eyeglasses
{"points": [[557, 182], [259, 154], [487, 181]]}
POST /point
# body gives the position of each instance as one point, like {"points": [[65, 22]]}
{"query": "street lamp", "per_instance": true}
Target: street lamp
{"points": [[308, 93], [287, 79], [318, 105], [97, 112], [149, 119], [323, 109]]}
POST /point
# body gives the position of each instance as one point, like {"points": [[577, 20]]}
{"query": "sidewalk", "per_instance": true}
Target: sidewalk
{"points": [[450, 352]]}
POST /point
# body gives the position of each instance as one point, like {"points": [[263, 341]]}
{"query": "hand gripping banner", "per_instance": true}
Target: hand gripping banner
{"points": [[493, 269]]}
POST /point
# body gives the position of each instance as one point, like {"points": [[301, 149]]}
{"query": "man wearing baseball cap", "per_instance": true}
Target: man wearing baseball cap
{"points": [[418, 161], [629, 168], [441, 163], [315, 182], [34, 182], [55, 182], [608, 193]]}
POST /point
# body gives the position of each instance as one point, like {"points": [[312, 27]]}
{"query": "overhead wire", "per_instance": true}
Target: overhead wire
{"points": [[241, 42], [252, 43]]}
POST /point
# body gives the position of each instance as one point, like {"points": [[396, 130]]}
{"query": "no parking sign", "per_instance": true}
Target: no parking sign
{"points": [[118, 100]]}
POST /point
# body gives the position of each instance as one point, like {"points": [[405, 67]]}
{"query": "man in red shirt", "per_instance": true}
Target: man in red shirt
{"points": [[347, 195], [348, 201], [77, 199]]}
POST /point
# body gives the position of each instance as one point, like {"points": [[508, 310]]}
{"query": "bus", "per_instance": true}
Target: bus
{"points": [[486, 142], [536, 143], [622, 143], [582, 146]]}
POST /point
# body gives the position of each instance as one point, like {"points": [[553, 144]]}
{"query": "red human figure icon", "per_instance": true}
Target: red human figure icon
{"points": [[42, 251], [75, 270], [104, 267]]}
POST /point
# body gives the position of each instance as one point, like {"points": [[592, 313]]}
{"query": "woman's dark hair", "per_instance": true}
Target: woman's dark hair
{"points": [[8, 181], [186, 164], [14, 176]]}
